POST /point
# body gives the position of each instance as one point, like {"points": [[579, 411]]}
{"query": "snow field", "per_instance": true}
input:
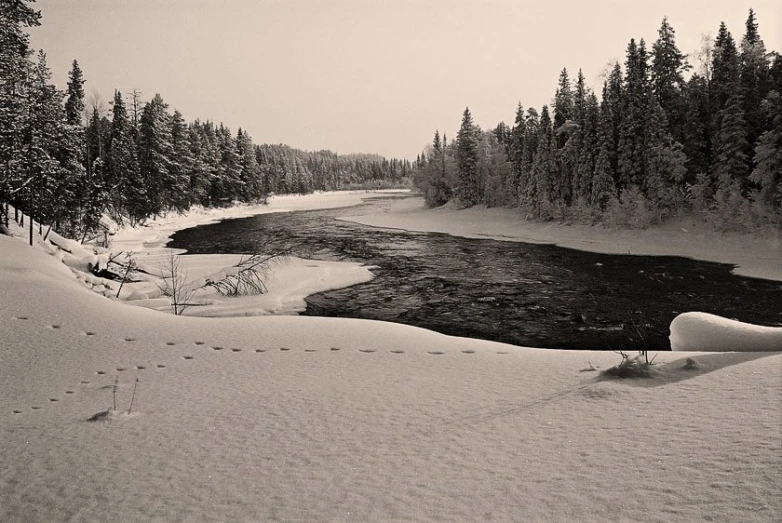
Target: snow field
{"points": [[322, 419]]}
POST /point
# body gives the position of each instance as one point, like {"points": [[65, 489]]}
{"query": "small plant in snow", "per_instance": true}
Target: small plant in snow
{"points": [[174, 284], [630, 367]]}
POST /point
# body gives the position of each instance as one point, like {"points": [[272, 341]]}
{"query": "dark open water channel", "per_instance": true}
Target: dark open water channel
{"points": [[525, 294]]}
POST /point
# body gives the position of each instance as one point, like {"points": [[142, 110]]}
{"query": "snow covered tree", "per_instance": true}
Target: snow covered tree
{"points": [[667, 75], [732, 159], [468, 189], [155, 155], [630, 164], [74, 104], [768, 154]]}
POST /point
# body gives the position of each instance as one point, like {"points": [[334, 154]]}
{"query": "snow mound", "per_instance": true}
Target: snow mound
{"points": [[700, 331]]}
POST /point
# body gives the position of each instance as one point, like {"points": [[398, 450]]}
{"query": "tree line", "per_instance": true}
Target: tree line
{"points": [[67, 165], [658, 142]]}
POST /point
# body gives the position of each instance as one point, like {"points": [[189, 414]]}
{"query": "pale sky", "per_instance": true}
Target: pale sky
{"points": [[362, 75]]}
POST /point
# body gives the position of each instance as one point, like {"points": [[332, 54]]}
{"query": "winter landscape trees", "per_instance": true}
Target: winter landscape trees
{"points": [[658, 143], [67, 162]]}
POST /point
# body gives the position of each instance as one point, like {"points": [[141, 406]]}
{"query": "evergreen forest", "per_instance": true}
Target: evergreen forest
{"points": [[661, 140], [66, 162]]}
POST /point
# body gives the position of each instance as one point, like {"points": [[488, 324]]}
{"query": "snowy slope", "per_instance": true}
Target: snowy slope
{"points": [[315, 419]]}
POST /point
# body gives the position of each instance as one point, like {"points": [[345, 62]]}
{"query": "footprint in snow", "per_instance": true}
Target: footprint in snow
{"points": [[17, 411], [309, 350], [366, 351], [198, 343], [436, 352], [19, 317], [469, 351], [161, 366], [283, 349], [120, 369], [53, 399], [334, 349], [260, 350], [85, 382], [36, 408], [140, 367], [188, 357], [217, 348], [236, 350], [130, 339], [397, 352], [170, 343], [56, 326], [68, 392], [100, 372], [89, 333]]}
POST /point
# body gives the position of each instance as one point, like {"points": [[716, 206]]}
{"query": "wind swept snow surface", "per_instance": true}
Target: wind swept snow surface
{"points": [[320, 419], [698, 331]]}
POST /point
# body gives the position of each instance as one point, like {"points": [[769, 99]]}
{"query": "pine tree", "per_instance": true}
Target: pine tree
{"points": [[666, 76], [768, 155], [516, 152], [123, 184], [630, 165], [697, 127], [155, 154], [74, 105], [544, 167], [250, 174], [181, 163], [754, 78], [468, 189], [664, 160], [563, 105], [732, 161], [724, 69]]}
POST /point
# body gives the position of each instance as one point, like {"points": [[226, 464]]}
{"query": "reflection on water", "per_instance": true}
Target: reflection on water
{"points": [[526, 294]]}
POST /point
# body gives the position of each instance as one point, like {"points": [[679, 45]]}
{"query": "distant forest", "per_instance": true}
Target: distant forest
{"points": [[659, 142], [66, 165]]}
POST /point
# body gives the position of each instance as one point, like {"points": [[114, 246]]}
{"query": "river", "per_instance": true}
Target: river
{"points": [[524, 294]]}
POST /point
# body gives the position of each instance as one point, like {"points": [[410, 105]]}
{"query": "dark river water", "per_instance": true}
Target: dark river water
{"points": [[519, 293]]}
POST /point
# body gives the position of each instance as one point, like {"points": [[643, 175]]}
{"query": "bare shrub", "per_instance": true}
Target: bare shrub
{"points": [[174, 284], [630, 367], [247, 278]]}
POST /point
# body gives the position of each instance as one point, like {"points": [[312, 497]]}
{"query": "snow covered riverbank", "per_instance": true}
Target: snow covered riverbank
{"points": [[302, 418], [756, 256]]}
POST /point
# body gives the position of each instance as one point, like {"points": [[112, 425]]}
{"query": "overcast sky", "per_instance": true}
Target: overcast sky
{"points": [[362, 75]]}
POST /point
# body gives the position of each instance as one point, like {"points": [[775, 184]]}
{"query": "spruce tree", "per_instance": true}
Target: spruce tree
{"points": [[468, 189], [768, 155], [667, 76], [732, 158], [724, 69], [156, 156], [74, 105], [630, 164], [754, 78], [563, 105]]}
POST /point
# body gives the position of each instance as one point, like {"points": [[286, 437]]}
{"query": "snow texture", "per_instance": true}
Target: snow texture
{"points": [[285, 418]]}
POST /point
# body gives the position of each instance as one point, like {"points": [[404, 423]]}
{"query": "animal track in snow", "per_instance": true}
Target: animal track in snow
{"points": [[140, 367], [260, 350], [120, 369], [36, 408], [236, 350], [469, 351], [89, 333], [68, 392], [284, 349], [188, 357], [397, 351], [170, 343], [19, 317], [161, 366], [53, 399], [335, 349], [84, 382], [367, 351], [130, 339], [198, 343], [309, 350], [217, 348], [55, 326], [17, 411], [436, 352], [100, 372]]}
